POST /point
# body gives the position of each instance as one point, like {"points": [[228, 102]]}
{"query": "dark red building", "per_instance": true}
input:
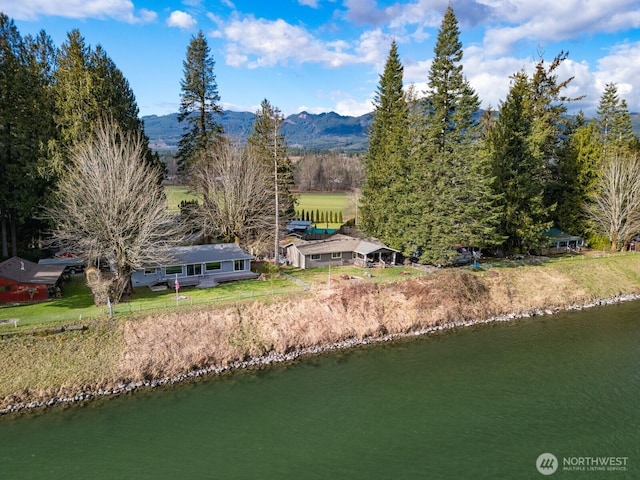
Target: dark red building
{"points": [[25, 281]]}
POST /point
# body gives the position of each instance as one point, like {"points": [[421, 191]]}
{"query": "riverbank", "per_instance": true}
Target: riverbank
{"points": [[114, 357]]}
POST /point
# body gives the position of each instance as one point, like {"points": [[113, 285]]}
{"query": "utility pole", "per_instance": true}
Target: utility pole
{"points": [[275, 177]]}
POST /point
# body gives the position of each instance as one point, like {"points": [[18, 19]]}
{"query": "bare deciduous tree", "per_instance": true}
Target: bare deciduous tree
{"points": [[111, 208], [328, 172], [616, 208], [237, 205]]}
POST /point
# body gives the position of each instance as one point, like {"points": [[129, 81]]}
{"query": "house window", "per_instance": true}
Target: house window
{"points": [[194, 269], [150, 271], [5, 288], [173, 270], [211, 266], [238, 265], [335, 255], [315, 256]]}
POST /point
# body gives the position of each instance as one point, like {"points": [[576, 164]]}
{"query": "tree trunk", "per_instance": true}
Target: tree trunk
{"points": [[13, 220], [3, 234]]}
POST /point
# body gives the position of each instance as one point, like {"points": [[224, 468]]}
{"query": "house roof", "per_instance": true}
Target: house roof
{"points": [[298, 225], [367, 248], [558, 235], [339, 243], [207, 253], [24, 271], [333, 244]]}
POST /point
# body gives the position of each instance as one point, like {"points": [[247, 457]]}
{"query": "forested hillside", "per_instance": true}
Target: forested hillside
{"points": [[306, 131]]}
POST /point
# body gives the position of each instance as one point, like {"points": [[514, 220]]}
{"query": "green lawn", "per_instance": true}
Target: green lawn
{"points": [[77, 305]]}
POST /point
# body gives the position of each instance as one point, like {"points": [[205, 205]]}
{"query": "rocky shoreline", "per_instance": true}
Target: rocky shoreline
{"points": [[273, 358]]}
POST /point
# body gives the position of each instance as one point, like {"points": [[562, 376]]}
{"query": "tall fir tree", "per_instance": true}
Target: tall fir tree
{"points": [[614, 122], [199, 103], [25, 127], [450, 186], [525, 145], [579, 173], [113, 94], [268, 142], [90, 88], [73, 93], [386, 157], [519, 170]]}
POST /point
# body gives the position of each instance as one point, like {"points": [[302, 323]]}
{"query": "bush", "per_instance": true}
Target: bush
{"points": [[596, 241]]}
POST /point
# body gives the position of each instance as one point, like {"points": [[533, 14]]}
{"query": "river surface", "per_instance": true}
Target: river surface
{"points": [[482, 403]]}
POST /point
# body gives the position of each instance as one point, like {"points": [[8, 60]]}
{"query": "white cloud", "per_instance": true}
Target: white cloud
{"points": [[264, 43], [353, 108], [309, 3], [181, 19], [622, 68], [553, 20], [122, 10]]}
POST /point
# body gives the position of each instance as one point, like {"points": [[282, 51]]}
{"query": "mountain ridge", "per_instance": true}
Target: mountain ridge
{"points": [[327, 131], [306, 131]]}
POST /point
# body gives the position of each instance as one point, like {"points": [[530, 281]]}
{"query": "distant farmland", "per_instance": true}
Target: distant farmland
{"points": [[323, 202]]}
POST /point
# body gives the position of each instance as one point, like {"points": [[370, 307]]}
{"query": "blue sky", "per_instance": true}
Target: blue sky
{"points": [[327, 55]]}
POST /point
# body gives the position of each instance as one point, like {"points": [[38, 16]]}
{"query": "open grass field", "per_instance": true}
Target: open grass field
{"points": [[327, 201], [308, 201], [176, 194]]}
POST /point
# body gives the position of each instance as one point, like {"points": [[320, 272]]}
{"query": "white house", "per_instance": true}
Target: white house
{"points": [[198, 265]]}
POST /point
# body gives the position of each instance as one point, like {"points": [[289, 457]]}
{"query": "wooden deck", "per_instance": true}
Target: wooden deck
{"points": [[203, 281]]}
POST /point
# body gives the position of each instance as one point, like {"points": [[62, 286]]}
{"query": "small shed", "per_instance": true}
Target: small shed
{"points": [[25, 281], [298, 226]]}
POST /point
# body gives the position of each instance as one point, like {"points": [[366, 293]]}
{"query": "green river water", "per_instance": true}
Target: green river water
{"points": [[482, 403]]}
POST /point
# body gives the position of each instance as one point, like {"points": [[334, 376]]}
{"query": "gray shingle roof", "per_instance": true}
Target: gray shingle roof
{"points": [[24, 271], [339, 243], [367, 248], [208, 253]]}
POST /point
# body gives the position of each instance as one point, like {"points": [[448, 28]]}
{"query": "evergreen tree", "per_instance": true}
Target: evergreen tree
{"points": [[113, 94], [614, 122], [518, 170], [269, 143], [579, 170], [89, 88], [199, 103], [25, 126], [449, 184], [76, 111], [385, 160]]}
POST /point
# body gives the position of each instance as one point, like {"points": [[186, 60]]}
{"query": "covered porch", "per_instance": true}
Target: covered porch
{"points": [[370, 254]]}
